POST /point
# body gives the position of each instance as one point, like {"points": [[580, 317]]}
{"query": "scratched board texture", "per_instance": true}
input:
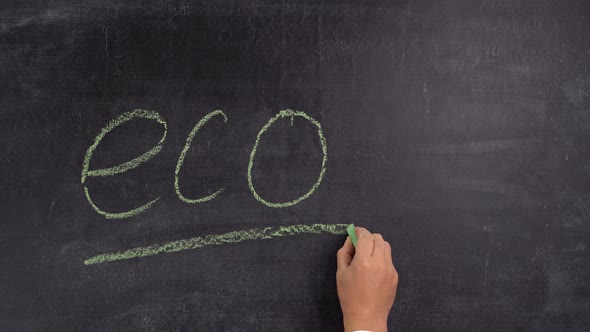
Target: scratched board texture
{"points": [[457, 129]]}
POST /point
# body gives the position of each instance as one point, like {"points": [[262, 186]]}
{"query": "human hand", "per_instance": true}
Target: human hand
{"points": [[367, 282]]}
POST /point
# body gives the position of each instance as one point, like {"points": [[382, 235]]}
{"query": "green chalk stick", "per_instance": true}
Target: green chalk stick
{"points": [[352, 234]]}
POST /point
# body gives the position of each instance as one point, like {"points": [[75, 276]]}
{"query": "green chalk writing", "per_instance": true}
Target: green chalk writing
{"points": [[185, 149], [120, 215], [86, 172], [218, 239], [282, 114], [131, 164]]}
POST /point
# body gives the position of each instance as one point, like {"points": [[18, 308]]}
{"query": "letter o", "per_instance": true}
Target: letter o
{"points": [[283, 114]]}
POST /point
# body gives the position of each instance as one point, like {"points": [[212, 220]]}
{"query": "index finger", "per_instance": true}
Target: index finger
{"points": [[364, 244], [345, 254]]}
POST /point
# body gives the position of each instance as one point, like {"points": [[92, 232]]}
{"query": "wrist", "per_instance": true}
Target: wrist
{"points": [[359, 323]]}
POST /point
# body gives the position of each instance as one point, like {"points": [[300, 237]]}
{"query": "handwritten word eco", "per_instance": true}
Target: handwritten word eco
{"points": [[136, 162]]}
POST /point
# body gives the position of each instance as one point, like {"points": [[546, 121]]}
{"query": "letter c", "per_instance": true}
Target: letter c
{"points": [[185, 149]]}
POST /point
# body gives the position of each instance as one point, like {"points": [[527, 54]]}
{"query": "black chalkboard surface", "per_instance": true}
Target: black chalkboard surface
{"points": [[190, 165]]}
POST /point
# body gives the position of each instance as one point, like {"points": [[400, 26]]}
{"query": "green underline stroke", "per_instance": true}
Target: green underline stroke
{"points": [[217, 239]]}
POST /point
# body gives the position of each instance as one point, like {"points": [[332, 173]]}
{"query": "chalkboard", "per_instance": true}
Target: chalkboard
{"points": [[192, 165]]}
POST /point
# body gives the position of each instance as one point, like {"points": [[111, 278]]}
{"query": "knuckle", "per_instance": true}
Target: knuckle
{"points": [[364, 232], [365, 263]]}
